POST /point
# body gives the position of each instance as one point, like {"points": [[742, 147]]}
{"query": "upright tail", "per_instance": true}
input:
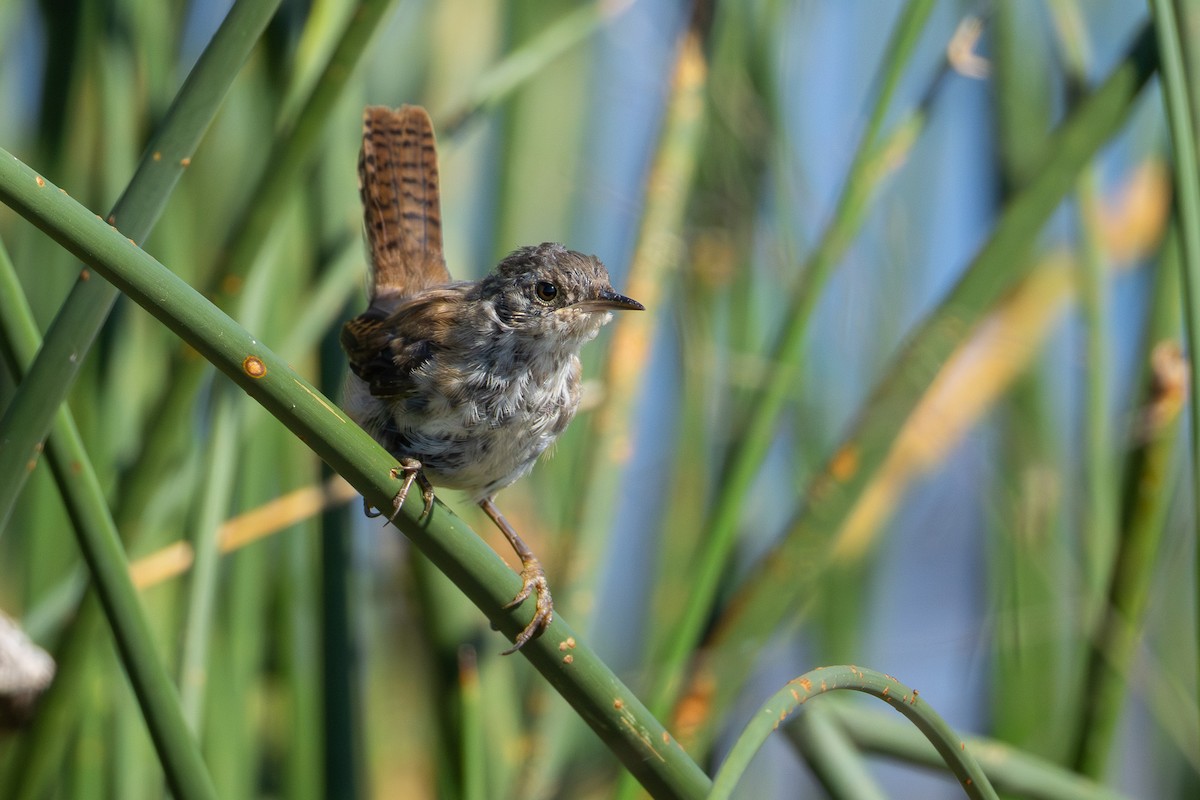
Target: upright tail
{"points": [[398, 180]]}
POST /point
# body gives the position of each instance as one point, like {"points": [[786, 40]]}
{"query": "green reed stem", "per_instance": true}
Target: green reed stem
{"points": [[1177, 97], [953, 750], [1115, 631]]}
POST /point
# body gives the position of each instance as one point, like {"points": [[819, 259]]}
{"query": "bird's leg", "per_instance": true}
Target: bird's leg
{"points": [[532, 576], [410, 468]]}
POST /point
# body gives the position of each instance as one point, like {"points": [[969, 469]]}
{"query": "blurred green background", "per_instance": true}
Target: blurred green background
{"points": [[893, 403]]}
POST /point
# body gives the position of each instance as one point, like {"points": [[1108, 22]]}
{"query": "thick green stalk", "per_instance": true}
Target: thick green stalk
{"points": [[1177, 97], [1115, 632], [785, 360], [785, 575], [41, 748], [612, 711], [27, 419]]}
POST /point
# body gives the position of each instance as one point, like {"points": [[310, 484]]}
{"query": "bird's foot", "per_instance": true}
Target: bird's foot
{"points": [[410, 469], [533, 582]]}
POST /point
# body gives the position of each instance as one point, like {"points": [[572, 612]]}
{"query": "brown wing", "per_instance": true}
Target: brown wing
{"points": [[398, 180], [385, 345]]}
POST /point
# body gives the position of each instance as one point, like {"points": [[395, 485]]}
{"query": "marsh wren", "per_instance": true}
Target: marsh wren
{"points": [[465, 383]]}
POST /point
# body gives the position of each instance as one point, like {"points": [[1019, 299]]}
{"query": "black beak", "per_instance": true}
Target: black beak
{"points": [[608, 300]]}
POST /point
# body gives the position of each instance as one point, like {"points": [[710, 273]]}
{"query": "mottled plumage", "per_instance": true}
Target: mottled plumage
{"points": [[465, 383], [475, 380]]}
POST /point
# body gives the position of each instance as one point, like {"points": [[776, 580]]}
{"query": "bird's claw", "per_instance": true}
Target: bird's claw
{"points": [[410, 469], [533, 582]]}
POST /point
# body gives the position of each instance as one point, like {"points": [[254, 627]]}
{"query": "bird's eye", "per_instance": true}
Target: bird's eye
{"points": [[546, 291]]}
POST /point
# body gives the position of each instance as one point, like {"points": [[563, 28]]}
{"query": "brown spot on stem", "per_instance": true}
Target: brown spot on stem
{"points": [[845, 463], [254, 367], [41, 182], [1170, 376], [185, 162], [618, 704], [85, 274], [568, 659]]}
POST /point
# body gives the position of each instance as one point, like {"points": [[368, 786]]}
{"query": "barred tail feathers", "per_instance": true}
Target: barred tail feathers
{"points": [[398, 180]]}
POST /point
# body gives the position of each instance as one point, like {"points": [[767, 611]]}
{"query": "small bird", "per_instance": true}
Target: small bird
{"points": [[465, 383]]}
